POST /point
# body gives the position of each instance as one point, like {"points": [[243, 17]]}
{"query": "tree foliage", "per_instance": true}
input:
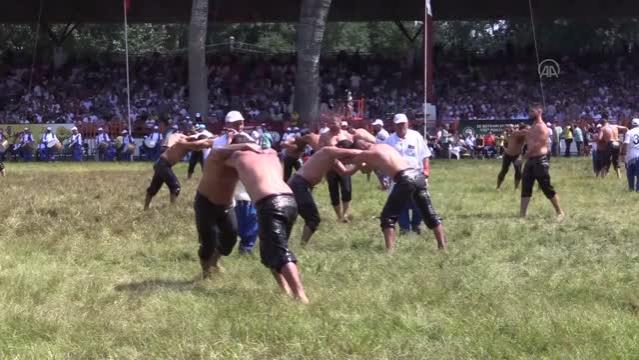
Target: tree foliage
{"points": [[465, 37]]}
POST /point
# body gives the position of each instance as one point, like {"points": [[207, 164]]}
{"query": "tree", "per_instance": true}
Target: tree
{"points": [[310, 33], [198, 74]]}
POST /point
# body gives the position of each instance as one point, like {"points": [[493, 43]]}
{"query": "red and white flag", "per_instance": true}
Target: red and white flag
{"points": [[429, 10]]}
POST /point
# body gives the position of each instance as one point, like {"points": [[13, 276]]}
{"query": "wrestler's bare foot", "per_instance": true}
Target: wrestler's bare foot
{"points": [[561, 215], [291, 277], [281, 281], [303, 299], [440, 236]]}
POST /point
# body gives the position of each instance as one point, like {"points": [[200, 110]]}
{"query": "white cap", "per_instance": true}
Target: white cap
{"points": [[378, 122], [48, 128], [100, 129], [598, 126], [74, 129], [125, 131], [197, 115], [155, 127], [635, 122], [400, 119], [233, 116], [548, 124], [344, 123], [26, 129]]}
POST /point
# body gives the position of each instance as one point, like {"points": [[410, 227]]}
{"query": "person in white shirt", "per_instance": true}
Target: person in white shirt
{"points": [[411, 146], [125, 152], [380, 133], [26, 145], [631, 151], [102, 141], [76, 144], [233, 125], [47, 152], [156, 138]]}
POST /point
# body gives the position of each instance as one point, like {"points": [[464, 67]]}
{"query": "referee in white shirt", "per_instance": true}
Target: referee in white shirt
{"points": [[411, 146], [631, 150]]}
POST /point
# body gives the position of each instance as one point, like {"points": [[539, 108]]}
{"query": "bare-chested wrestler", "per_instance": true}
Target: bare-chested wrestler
{"points": [[336, 182], [410, 185], [512, 153], [311, 174], [537, 166], [178, 146], [294, 149], [261, 173], [609, 148]]}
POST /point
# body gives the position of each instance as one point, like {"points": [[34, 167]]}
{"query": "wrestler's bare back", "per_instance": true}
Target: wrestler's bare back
{"points": [[322, 161], [537, 140], [383, 158], [261, 173]]}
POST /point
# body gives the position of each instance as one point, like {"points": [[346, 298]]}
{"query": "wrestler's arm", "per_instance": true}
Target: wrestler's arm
{"points": [[197, 144], [364, 135], [225, 152]]}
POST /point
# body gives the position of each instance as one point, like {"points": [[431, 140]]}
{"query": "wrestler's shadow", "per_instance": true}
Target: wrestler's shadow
{"points": [[157, 284], [486, 216], [195, 286]]}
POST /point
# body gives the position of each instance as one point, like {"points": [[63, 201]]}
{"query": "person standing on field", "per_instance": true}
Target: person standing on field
{"points": [[631, 152], [537, 167]]}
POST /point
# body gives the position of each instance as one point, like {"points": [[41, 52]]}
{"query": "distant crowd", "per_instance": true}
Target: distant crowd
{"points": [[264, 89]]}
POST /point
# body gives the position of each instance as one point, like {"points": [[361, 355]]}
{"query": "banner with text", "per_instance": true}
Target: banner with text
{"points": [[482, 127]]}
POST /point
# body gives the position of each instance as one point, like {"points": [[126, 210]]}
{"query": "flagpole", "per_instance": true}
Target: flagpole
{"points": [[427, 12], [126, 57]]}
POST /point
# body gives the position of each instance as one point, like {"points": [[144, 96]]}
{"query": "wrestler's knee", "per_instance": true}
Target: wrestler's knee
{"points": [[313, 222], [206, 250], [275, 257], [388, 222], [432, 220], [152, 191], [549, 192]]}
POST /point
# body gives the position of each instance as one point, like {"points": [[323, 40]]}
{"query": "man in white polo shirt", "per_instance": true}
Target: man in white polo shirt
{"points": [[380, 133], [244, 208], [411, 146], [631, 150], [233, 125]]}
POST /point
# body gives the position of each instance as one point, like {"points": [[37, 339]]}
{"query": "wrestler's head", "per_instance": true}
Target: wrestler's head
{"points": [[242, 139], [535, 111]]}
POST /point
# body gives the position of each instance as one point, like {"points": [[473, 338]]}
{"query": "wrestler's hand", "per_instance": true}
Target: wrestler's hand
{"points": [[252, 147]]}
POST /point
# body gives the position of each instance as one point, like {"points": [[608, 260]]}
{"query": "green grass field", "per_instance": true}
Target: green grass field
{"points": [[85, 274]]}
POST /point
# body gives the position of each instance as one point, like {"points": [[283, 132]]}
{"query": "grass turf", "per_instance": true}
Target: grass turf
{"points": [[84, 273]]}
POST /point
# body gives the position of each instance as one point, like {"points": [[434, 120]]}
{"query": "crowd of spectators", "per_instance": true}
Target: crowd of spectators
{"points": [[263, 89]]}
